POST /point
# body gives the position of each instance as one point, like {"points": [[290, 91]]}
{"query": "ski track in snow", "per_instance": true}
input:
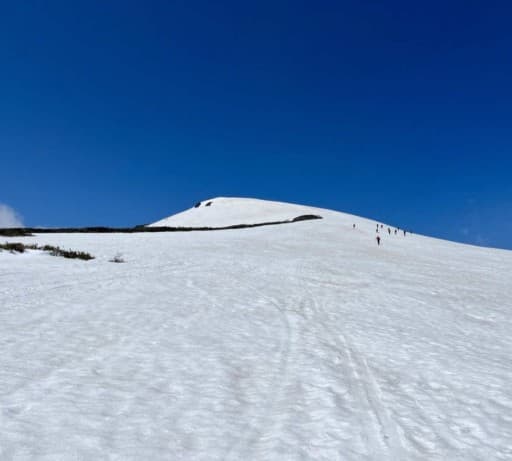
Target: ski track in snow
{"points": [[380, 431], [299, 342]]}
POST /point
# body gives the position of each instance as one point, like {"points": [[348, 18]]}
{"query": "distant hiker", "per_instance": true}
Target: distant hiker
{"points": [[378, 240], [353, 226], [389, 230], [395, 231], [377, 230], [404, 232], [381, 226]]}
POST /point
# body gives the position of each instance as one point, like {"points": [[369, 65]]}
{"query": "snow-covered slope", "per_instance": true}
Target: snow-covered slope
{"points": [[304, 341], [230, 211]]}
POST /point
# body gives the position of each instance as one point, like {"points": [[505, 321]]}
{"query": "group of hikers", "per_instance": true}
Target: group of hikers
{"points": [[380, 227]]}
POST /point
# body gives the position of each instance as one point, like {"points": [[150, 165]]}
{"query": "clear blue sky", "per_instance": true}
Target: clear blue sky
{"points": [[123, 112]]}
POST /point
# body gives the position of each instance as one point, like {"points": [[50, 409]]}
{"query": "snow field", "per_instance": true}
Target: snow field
{"points": [[289, 342]]}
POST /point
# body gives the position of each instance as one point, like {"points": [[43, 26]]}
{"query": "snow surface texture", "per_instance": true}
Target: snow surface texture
{"points": [[304, 341]]}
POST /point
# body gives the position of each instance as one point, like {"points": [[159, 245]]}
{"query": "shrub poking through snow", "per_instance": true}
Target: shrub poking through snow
{"points": [[69, 254], [17, 247], [118, 258]]}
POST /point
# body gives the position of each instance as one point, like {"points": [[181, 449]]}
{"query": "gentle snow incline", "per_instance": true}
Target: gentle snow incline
{"points": [[226, 211], [296, 342]]}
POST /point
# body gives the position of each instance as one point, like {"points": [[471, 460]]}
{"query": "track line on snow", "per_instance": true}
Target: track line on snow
{"points": [[390, 431], [384, 439], [376, 445], [369, 420]]}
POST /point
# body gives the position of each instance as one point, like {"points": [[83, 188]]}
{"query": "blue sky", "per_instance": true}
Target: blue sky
{"points": [[121, 113]]}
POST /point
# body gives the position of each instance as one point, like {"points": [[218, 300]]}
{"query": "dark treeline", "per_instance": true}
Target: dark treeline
{"points": [[28, 231]]}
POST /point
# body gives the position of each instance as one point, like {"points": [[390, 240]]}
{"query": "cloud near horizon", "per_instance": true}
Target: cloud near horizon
{"points": [[9, 217]]}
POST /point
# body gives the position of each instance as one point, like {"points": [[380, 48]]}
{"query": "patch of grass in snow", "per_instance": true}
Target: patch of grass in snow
{"points": [[17, 247]]}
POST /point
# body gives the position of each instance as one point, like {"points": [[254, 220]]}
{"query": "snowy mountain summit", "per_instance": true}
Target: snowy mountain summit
{"points": [[303, 341], [227, 211]]}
